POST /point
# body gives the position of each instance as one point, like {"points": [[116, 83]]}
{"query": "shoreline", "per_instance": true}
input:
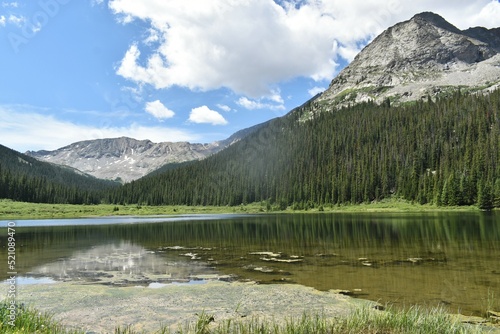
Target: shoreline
{"points": [[102, 308], [11, 210], [95, 308]]}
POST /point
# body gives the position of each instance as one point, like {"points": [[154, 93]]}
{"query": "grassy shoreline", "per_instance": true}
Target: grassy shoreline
{"points": [[362, 320], [22, 210]]}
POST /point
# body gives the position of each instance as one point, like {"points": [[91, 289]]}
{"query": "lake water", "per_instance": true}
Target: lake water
{"points": [[450, 259]]}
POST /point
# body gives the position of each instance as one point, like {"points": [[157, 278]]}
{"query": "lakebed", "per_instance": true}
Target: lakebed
{"points": [[102, 308]]}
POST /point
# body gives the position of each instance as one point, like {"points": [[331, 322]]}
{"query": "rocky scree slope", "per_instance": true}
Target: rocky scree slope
{"points": [[424, 56]]}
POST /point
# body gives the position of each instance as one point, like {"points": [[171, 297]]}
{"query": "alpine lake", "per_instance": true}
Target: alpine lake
{"points": [[433, 258]]}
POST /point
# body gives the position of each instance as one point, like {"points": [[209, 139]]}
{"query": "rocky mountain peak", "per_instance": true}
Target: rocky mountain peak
{"points": [[128, 159], [123, 158], [435, 20], [422, 56]]}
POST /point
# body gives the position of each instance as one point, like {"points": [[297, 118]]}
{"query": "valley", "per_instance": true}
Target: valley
{"points": [[383, 188], [413, 116]]}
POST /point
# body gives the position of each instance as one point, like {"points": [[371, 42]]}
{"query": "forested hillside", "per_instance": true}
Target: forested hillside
{"points": [[23, 178], [444, 152]]}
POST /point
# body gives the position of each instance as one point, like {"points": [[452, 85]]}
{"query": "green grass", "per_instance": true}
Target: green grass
{"points": [[362, 320], [21, 210], [28, 320]]}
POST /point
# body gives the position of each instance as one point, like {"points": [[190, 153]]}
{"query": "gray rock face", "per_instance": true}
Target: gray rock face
{"points": [[128, 159], [124, 158], [419, 57]]}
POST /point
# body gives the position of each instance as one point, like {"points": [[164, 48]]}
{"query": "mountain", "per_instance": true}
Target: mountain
{"points": [[24, 178], [443, 150], [424, 56], [126, 159], [365, 145]]}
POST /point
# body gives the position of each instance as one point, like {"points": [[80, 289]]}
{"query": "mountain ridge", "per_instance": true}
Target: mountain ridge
{"points": [[126, 159], [423, 56]]}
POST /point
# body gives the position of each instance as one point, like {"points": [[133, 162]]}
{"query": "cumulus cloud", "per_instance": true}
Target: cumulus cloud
{"points": [[316, 90], [242, 45], [247, 46], [158, 110], [17, 20], [56, 133], [224, 107], [204, 114], [258, 104], [2, 20]]}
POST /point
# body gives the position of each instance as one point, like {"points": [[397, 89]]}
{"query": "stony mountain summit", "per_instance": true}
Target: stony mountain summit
{"points": [[127, 159], [423, 56], [124, 159]]}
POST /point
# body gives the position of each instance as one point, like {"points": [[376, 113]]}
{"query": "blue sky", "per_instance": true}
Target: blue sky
{"points": [[181, 70]]}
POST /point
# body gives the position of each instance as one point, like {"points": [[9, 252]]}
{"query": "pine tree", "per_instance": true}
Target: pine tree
{"points": [[485, 196]]}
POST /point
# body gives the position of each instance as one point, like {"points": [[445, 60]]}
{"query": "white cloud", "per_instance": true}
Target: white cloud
{"points": [[153, 36], [276, 96], [488, 16], [316, 90], [224, 107], [16, 20], [10, 4], [29, 129], [204, 114], [249, 104], [158, 110], [247, 46], [257, 104], [2, 20]]}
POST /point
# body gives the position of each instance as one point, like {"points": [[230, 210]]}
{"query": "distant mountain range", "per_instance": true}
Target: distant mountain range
{"points": [[127, 159]]}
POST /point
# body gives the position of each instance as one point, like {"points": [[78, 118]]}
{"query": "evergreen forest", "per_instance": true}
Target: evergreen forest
{"points": [[444, 152], [23, 178]]}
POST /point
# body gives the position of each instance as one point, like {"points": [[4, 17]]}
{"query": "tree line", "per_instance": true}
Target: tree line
{"points": [[23, 178], [444, 152]]}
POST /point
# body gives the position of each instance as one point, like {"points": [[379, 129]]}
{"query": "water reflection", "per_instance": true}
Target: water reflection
{"points": [[124, 263], [431, 258]]}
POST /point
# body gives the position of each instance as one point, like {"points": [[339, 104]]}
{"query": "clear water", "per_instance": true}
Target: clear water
{"points": [[450, 259]]}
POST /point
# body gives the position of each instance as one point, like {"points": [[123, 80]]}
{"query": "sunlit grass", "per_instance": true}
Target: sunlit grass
{"points": [[21, 210], [28, 320], [362, 320]]}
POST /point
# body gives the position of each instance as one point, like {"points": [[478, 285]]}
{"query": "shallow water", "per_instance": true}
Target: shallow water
{"points": [[448, 259]]}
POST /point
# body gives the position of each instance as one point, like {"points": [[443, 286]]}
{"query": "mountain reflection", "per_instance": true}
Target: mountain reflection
{"points": [[416, 258], [123, 263]]}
